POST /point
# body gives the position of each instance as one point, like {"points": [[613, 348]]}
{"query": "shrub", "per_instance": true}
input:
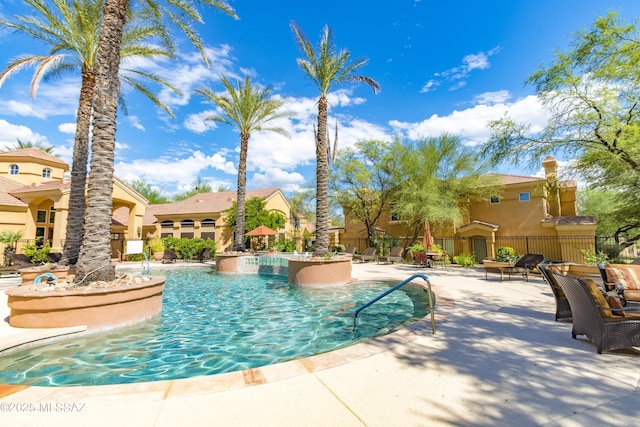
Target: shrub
{"points": [[283, 244], [590, 256], [156, 244], [465, 260], [189, 248], [506, 254], [35, 254], [417, 247]]}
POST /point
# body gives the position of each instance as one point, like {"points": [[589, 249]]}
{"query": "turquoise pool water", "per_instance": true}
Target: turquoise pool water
{"points": [[212, 324]]}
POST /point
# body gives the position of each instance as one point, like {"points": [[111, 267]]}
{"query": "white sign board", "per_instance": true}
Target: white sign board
{"points": [[134, 247]]}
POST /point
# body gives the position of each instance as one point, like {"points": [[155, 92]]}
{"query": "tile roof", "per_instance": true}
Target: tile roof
{"points": [[8, 186], [211, 202], [35, 153], [515, 179], [198, 204], [57, 184], [577, 220]]}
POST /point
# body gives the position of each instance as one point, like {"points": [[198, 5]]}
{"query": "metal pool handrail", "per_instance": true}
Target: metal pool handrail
{"points": [[395, 288]]}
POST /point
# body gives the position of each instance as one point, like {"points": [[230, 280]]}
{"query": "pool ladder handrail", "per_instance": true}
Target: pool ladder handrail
{"points": [[395, 288]]}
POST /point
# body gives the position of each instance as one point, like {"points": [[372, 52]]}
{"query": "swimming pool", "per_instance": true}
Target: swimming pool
{"points": [[212, 324]]}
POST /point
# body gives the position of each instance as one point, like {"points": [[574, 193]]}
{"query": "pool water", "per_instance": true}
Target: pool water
{"points": [[211, 324]]}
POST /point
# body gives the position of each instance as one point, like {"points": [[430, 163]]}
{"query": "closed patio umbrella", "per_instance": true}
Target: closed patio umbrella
{"points": [[427, 238]]}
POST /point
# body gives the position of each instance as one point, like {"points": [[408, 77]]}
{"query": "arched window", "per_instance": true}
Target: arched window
{"points": [[208, 222], [14, 170], [46, 173], [187, 223], [166, 224]]}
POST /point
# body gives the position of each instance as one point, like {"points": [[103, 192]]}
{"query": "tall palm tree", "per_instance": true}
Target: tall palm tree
{"points": [[94, 262], [71, 29], [249, 108], [327, 68]]}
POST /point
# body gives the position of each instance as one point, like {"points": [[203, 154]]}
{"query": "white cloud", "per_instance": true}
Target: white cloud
{"points": [[456, 76], [497, 97], [197, 123], [472, 124], [135, 122], [69, 128], [274, 177], [10, 133], [173, 171]]}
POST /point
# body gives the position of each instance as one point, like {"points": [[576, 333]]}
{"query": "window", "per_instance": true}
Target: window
{"points": [[46, 173], [14, 170], [494, 200], [187, 223], [52, 215], [166, 224], [186, 235], [394, 216], [208, 223], [524, 197], [41, 216], [208, 235]]}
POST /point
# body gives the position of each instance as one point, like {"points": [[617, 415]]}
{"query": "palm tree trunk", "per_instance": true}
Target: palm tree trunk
{"points": [[94, 262], [75, 217], [242, 190], [322, 183]]}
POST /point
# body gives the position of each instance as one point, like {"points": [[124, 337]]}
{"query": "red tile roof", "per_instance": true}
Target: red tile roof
{"points": [[8, 186], [35, 153]]}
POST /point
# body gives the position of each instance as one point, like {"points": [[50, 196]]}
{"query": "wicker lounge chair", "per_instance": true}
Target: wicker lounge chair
{"points": [[607, 326], [525, 265], [368, 255], [350, 250], [624, 279], [395, 255], [563, 309], [205, 254], [169, 256]]}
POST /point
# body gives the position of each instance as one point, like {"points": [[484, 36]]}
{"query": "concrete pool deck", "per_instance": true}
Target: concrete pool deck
{"points": [[497, 358]]}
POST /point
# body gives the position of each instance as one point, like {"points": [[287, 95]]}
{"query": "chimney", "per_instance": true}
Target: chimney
{"points": [[550, 166]]}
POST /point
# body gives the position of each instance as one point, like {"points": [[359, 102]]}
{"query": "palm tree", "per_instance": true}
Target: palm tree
{"points": [[19, 145], [249, 108], [94, 260], [327, 68], [71, 30]]}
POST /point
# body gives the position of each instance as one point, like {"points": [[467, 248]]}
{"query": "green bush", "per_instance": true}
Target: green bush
{"points": [[189, 248], [506, 254], [35, 254], [283, 244], [465, 260]]}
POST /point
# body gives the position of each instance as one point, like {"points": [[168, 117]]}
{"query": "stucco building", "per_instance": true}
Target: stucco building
{"points": [[34, 199], [531, 214]]}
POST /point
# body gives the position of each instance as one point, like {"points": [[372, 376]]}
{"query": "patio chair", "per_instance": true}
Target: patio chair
{"points": [[22, 261], [169, 256], [368, 255], [440, 259], [351, 250], [395, 255], [607, 325], [205, 254], [54, 257], [563, 309], [525, 265], [421, 258], [622, 278]]}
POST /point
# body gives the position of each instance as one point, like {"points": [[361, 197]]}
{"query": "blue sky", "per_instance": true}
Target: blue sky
{"points": [[442, 66]]}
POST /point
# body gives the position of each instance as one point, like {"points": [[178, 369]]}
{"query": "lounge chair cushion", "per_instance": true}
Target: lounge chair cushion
{"points": [[627, 277], [597, 294], [615, 302]]}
